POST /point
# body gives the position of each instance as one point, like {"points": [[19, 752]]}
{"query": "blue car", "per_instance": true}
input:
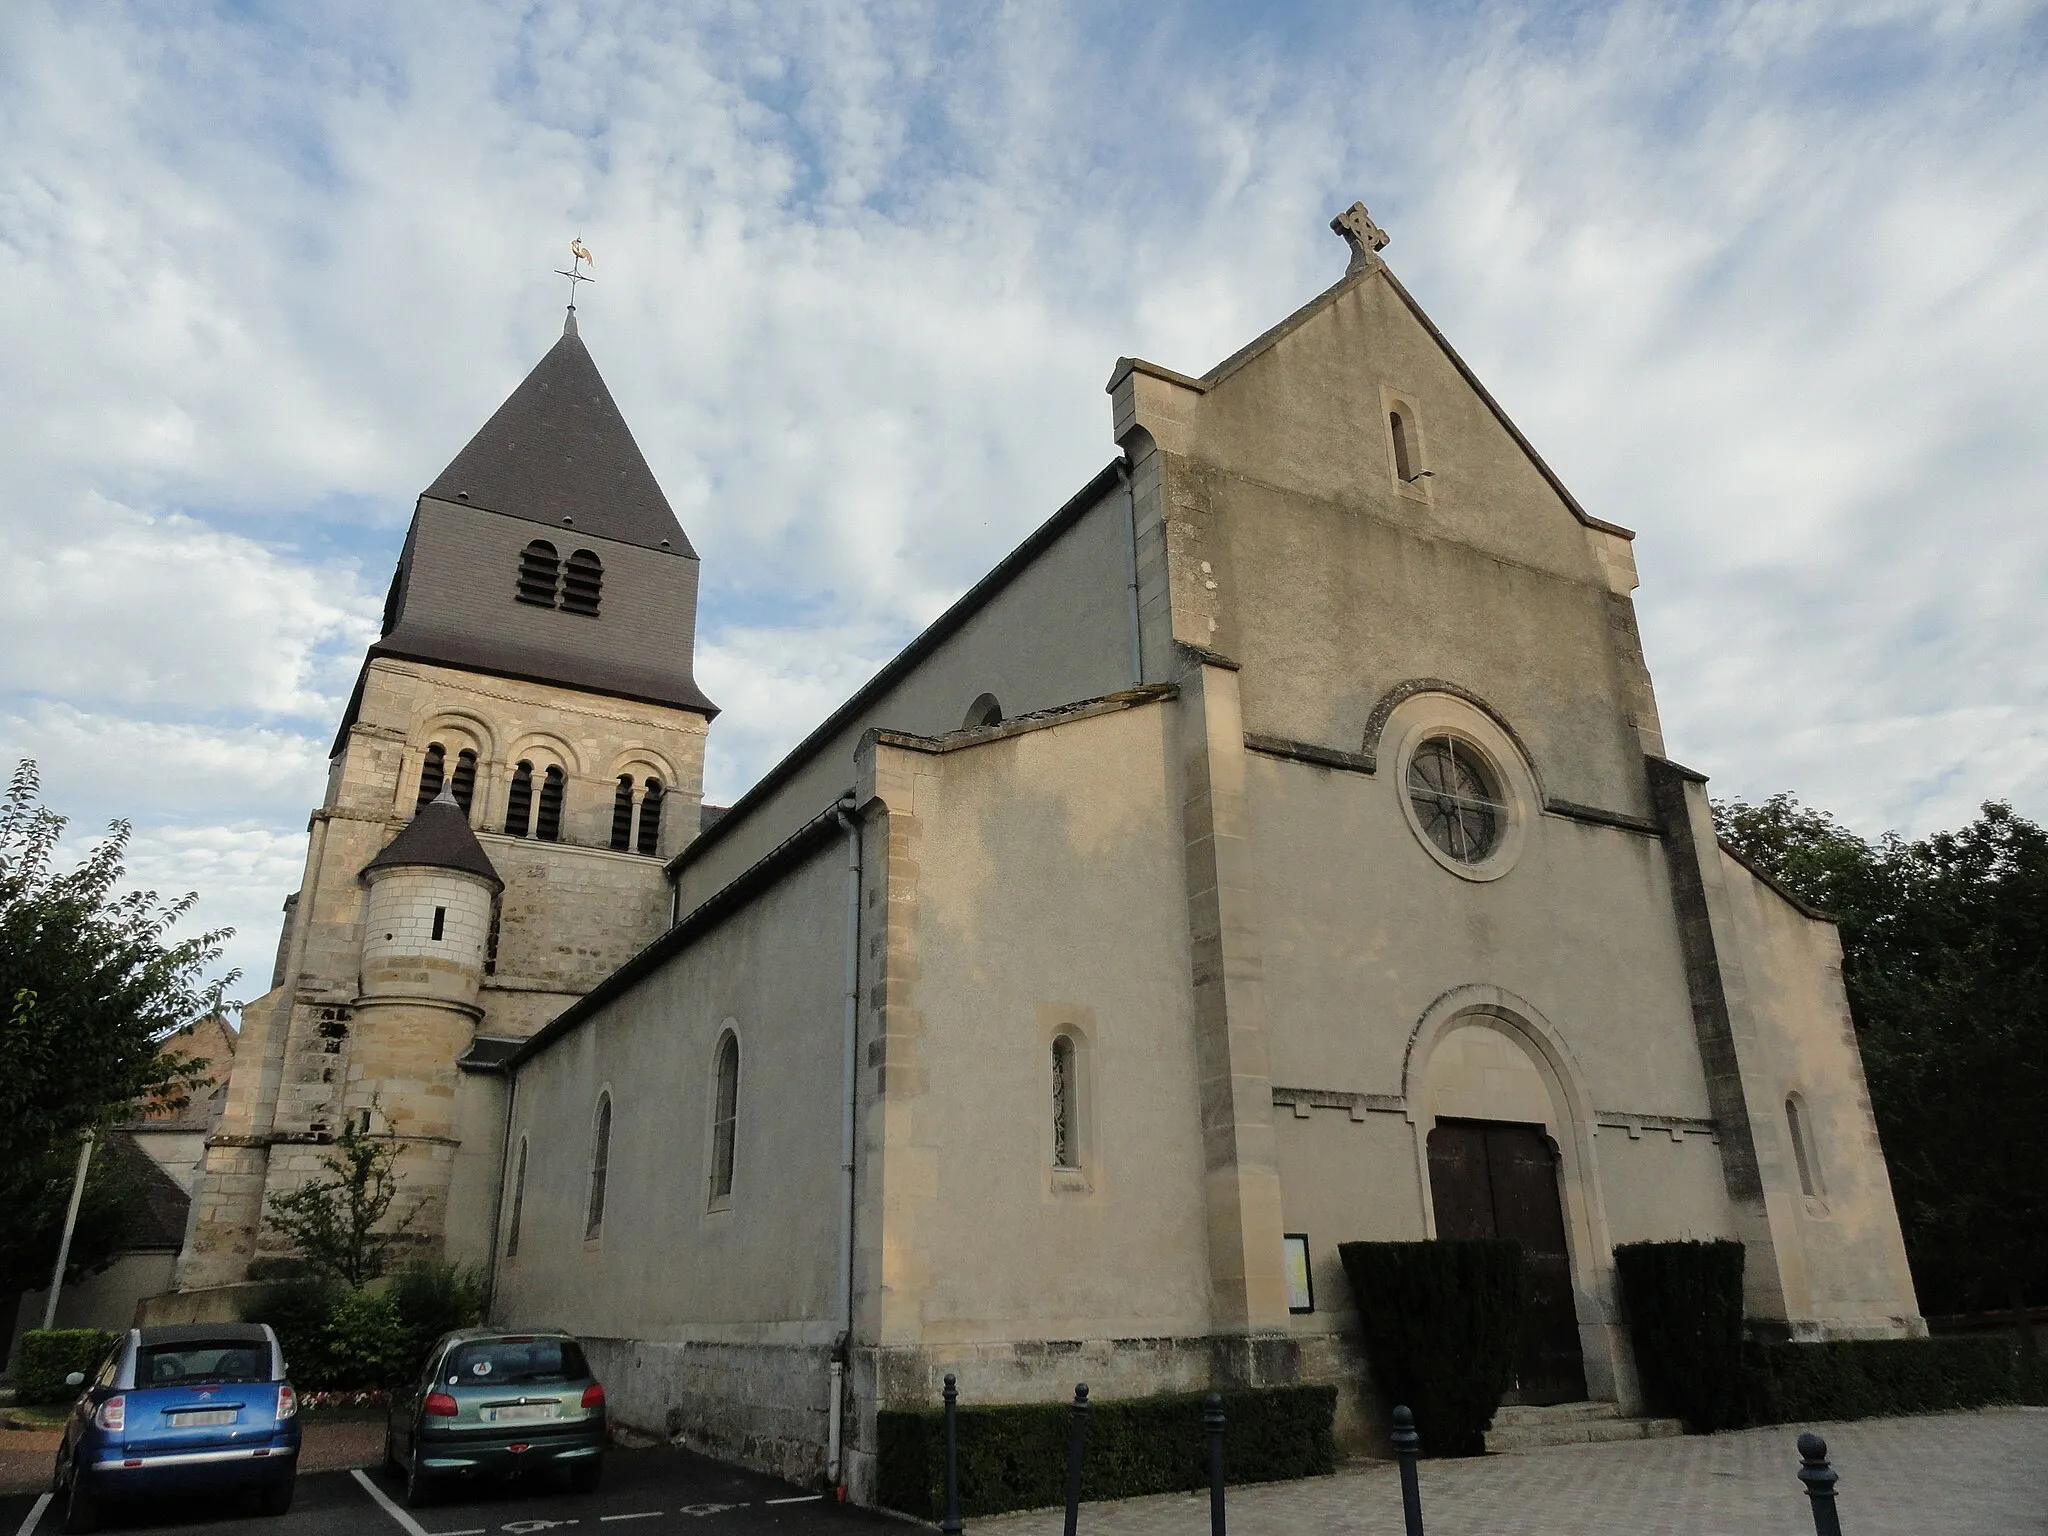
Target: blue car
{"points": [[186, 1408]]}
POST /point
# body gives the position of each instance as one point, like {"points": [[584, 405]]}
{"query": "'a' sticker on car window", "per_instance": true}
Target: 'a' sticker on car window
{"points": [[482, 1368]]}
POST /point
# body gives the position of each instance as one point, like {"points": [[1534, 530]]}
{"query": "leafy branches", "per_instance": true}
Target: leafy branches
{"points": [[334, 1220], [92, 983], [1945, 958]]}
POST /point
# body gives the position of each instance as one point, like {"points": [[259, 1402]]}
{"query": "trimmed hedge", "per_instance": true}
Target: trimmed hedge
{"points": [[1014, 1455], [1440, 1321], [1684, 1304], [49, 1355], [1871, 1378]]}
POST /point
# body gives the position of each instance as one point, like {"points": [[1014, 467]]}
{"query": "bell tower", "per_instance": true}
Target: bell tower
{"points": [[522, 752]]}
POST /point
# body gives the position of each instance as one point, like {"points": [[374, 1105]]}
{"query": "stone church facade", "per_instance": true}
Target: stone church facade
{"points": [[1276, 849]]}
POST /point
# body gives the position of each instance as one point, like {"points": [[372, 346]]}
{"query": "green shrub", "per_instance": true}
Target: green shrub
{"points": [[368, 1342], [1440, 1321], [298, 1310], [1014, 1455], [433, 1299], [1870, 1378], [49, 1355], [1684, 1304]]}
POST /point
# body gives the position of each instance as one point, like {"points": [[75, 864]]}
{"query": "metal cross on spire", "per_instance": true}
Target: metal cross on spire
{"points": [[579, 253]]}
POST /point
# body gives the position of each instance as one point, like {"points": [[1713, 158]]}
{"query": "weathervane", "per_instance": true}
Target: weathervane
{"points": [[579, 254]]}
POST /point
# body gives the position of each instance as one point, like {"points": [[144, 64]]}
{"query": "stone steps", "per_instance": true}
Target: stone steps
{"points": [[1526, 1429]]}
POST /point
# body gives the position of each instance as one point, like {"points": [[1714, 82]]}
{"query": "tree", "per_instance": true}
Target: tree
{"points": [[334, 1220], [1945, 959], [90, 984], [93, 983]]}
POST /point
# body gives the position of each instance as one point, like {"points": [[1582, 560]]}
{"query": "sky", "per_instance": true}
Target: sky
{"points": [[1766, 282]]}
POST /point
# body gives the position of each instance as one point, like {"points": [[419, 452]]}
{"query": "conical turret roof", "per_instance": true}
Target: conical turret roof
{"points": [[558, 452], [437, 838]]}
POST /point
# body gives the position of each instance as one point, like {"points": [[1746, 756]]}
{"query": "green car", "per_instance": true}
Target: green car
{"points": [[490, 1403]]}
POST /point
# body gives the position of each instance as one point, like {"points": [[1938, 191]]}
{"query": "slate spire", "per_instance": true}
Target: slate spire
{"points": [[558, 450], [439, 837]]}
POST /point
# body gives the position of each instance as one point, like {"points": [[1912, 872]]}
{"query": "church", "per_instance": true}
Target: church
{"points": [[1278, 848]]}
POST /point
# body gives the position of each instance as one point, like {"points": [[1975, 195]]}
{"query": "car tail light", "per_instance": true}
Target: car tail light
{"points": [[287, 1401], [441, 1405], [112, 1414], [593, 1396]]}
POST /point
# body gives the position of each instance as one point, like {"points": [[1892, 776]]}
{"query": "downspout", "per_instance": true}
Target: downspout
{"points": [[1123, 473], [842, 1347], [498, 1200]]}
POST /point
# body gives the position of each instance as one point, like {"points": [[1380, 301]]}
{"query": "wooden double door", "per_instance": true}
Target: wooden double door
{"points": [[1492, 1179]]}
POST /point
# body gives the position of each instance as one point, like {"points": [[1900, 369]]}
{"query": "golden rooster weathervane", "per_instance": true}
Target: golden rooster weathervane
{"points": [[579, 253]]}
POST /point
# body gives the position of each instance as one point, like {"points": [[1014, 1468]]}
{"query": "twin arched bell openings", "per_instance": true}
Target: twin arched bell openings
{"points": [[546, 580], [435, 772], [636, 814]]}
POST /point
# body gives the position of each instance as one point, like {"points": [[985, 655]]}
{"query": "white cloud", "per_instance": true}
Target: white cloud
{"points": [[1764, 280]]}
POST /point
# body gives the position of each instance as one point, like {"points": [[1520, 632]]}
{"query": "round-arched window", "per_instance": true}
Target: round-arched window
{"points": [[1457, 798]]}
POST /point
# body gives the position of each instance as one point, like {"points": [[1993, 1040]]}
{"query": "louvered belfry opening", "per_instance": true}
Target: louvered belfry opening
{"points": [[464, 785], [622, 813], [582, 583], [519, 802], [650, 819], [433, 768], [547, 826], [540, 574]]}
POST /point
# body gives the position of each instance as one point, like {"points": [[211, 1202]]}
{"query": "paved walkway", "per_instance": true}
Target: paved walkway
{"points": [[1984, 1474]]}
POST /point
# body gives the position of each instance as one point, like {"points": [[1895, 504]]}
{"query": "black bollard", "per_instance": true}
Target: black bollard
{"points": [[1820, 1479], [1407, 1445], [1077, 1438], [951, 1524], [1212, 1424]]}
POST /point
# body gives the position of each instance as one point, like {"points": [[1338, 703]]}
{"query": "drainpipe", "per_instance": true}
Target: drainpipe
{"points": [[1123, 473], [498, 1201], [842, 1348]]}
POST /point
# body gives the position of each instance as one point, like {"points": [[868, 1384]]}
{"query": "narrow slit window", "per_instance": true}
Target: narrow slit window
{"points": [[622, 813], [1066, 1152], [725, 1120], [650, 819], [518, 1203], [440, 923], [1802, 1152], [540, 574], [1404, 464], [491, 938], [547, 823], [433, 768], [464, 785], [600, 1163], [582, 583], [519, 802]]}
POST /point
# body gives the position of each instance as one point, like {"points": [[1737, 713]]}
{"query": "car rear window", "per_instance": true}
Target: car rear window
{"points": [[514, 1362], [175, 1365]]}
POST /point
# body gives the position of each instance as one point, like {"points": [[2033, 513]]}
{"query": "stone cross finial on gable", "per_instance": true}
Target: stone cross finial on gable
{"points": [[1365, 238]]}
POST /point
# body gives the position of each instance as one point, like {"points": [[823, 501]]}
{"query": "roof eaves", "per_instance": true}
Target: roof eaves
{"points": [[1024, 725], [702, 919], [903, 662], [1500, 415]]}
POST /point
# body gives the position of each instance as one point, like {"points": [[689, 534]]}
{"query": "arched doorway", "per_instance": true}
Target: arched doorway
{"points": [[1499, 1179], [1494, 1167]]}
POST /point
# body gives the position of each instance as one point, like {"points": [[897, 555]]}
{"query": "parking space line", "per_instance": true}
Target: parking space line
{"points": [[35, 1514], [641, 1514], [406, 1523], [802, 1498]]}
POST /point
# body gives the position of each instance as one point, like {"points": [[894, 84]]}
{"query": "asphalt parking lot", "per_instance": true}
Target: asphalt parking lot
{"points": [[656, 1492]]}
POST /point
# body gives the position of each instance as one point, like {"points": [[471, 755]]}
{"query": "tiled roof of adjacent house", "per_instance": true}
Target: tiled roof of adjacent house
{"points": [[159, 1220], [559, 451]]}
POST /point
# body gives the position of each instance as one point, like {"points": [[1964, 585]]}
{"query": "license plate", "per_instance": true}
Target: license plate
{"points": [[186, 1418], [518, 1413]]}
